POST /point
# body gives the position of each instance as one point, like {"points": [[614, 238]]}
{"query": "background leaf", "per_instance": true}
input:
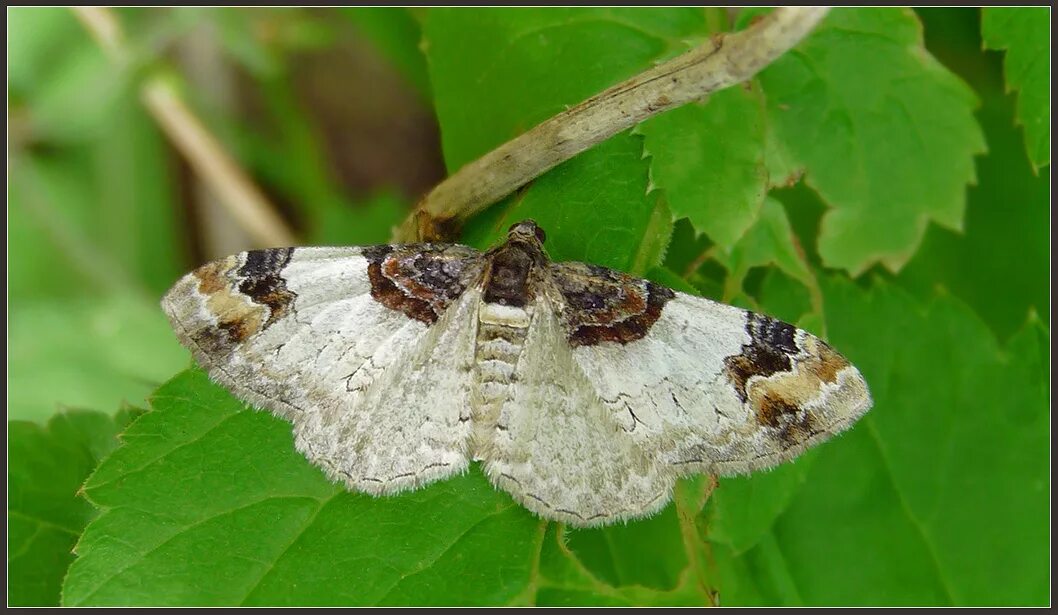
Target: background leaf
{"points": [[745, 509], [999, 264], [770, 241], [87, 353], [94, 234], [894, 511], [79, 233], [201, 470], [45, 514], [397, 34], [497, 73], [884, 132], [370, 223], [708, 158], [1025, 35]]}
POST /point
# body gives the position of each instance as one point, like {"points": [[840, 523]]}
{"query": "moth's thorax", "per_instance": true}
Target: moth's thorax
{"points": [[511, 271]]}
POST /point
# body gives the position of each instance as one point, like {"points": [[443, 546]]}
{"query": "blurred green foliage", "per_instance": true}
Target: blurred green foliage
{"points": [[877, 149]]}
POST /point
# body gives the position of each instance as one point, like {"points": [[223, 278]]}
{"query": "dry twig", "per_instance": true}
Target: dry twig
{"points": [[247, 204], [724, 61]]}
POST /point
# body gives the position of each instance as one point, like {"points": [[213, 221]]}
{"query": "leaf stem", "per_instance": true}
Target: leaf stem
{"points": [[726, 60], [691, 495], [236, 191]]}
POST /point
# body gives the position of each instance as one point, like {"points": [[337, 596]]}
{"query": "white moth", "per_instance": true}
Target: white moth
{"points": [[584, 392]]}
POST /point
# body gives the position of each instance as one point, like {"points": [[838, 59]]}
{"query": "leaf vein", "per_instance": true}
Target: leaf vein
{"points": [[182, 445], [42, 522], [297, 537], [179, 532], [915, 521], [462, 535]]}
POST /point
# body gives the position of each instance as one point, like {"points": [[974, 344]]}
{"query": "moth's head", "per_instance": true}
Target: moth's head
{"points": [[526, 231]]}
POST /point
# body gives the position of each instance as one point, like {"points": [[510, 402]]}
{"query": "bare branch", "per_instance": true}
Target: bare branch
{"points": [[221, 173], [104, 27], [725, 61], [203, 151]]}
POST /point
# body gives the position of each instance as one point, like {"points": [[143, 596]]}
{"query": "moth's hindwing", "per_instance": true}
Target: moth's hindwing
{"points": [[557, 449]]}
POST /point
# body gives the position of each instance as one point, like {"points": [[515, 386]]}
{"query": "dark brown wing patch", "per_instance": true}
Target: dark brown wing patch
{"points": [[769, 351], [260, 279], [420, 280], [791, 376], [229, 282], [603, 305]]}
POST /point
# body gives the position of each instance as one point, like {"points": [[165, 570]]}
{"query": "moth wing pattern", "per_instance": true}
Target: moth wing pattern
{"points": [[703, 386], [316, 336], [585, 392], [557, 451]]}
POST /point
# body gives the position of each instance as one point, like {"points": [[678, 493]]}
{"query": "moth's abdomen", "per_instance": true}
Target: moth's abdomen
{"points": [[501, 336]]}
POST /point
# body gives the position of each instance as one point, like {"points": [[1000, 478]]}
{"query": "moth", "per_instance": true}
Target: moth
{"points": [[584, 392]]}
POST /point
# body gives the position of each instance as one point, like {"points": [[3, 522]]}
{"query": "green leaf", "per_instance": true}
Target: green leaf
{"points": [[98, 216], [594, 208], [708, 159], [629, 554], [884, 132], [1007, 212], [939, 495], [786, 298], [668, 277], [208, 502], [563, 579], [689, 264], [261, 39], [93, 246], [36, 36], [89, 353], [44, 238], [743, 509], [137, 214], [770, 241], [45, 515], [90, 187], [202, 470], [68, 85], [759, 577], [1025, 35], [293, 159], [61, 251], [497, 73], [74, 104]]}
